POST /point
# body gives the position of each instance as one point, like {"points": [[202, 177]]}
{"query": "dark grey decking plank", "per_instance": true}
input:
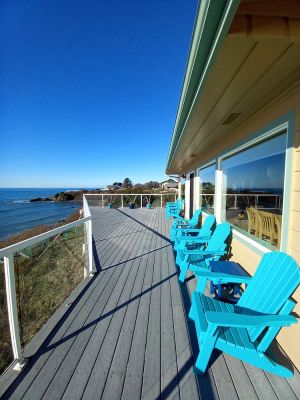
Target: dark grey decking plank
{"points": [[49, 369], [240, 378], [169, 369], [187, 381], [117, 251], [281, 387], [294, 383], [83, 370], [111, 328], [116, 377], [32, 369], [260, 382], [102, 365], [61, 353], [151, 371], [132, 385], [64, 373]]}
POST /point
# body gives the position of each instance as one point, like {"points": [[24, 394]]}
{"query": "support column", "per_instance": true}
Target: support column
{"points": [[187, 198], [218, 195]]}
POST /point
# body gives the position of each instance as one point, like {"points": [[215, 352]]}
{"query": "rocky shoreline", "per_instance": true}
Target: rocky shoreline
{"points": [[62, 196]]}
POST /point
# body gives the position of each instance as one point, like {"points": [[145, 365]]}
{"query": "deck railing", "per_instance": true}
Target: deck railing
{"points": [[123, 199], [39, 274], [234, 200]]}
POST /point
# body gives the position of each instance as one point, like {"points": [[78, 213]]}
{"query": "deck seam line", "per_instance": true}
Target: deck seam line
{"points": [[149, 308], [140, 258], [68, 351], [121, 394], [113, 272], [73, 319], [107, 329]]}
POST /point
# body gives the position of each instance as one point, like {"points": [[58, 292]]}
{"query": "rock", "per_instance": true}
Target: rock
{"points": [[40, 199]]}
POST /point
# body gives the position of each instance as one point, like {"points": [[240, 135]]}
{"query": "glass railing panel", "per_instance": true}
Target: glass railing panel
{"points": [[207, 203], [129, 200], [46, 273], [6, 352]]}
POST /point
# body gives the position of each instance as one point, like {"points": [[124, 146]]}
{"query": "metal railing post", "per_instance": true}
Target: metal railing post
{"points": [[89, 245], [122, 201], [161, 202], [235, 201], [13, 310], [141, 201], [102, 201]]}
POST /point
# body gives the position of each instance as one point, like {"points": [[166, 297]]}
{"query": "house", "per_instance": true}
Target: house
{"points": [[237, 131], [170, 184], [115, 186]]}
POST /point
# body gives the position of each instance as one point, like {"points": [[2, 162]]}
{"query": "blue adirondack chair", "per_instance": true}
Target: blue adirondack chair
{"points": [[189, 236], [175, 209], [198, 255], [247, 329], [182, 223]]}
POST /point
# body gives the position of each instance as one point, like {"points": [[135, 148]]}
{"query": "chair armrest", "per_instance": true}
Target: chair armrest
{"points": [[221, 277], [204, 252], [184, 224], [189, 229], [197, 239], [248, 321]]}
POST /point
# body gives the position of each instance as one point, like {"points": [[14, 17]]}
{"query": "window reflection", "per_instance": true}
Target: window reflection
{"points": [[207, 188], [253, 189]]}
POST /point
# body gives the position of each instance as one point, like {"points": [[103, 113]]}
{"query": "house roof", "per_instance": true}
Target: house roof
{"points": [[242, 55]]}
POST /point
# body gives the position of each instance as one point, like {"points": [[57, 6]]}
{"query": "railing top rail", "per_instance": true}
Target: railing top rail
{"points": [[252, 194], [129, 194], [6, 251], [244, 194]]}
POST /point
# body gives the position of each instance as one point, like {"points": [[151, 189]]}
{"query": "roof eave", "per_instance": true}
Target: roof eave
{"points": [[211, 27]]}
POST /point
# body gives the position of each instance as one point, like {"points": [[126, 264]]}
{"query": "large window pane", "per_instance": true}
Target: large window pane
{"points": [[253, 189], [207, 188]]}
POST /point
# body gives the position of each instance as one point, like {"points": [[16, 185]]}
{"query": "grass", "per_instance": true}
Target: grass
{"points": [[46, 274]]}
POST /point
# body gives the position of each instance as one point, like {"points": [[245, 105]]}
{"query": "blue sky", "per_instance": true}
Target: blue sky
{"points": [[89, 89]]}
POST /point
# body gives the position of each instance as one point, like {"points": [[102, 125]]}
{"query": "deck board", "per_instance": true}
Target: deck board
{"points": [[126, 336]]}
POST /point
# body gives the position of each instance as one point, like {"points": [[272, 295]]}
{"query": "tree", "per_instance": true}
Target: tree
{"points": [[127, 183]]}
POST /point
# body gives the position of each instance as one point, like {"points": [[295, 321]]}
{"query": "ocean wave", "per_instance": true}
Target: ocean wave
{"points": [[19, 201]]}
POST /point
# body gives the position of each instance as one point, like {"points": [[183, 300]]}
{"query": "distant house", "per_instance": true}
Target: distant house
{"points": [[170, 184], [114, 186]]}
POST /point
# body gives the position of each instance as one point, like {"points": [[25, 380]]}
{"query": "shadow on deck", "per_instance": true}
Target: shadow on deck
{"points": [[124, 334]]}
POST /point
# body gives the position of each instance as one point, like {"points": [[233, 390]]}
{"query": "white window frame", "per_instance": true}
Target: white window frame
{"points": [[218, 206], [209, 164]]}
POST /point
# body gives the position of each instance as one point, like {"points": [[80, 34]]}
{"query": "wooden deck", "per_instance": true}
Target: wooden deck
{"points": [[125, 334]]}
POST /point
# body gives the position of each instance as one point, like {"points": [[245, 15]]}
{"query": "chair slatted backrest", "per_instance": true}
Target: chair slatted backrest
{"points": [[253, 221], [196, 218], [219, 237], [267, 225], [208, 226], [275, 279]]}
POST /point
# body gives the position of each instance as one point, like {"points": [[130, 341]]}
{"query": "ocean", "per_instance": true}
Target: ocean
{"points": [[18, 214]]}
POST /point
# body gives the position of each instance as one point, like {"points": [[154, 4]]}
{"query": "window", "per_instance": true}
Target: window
{"points": [[253, 189], [207, 188]]}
